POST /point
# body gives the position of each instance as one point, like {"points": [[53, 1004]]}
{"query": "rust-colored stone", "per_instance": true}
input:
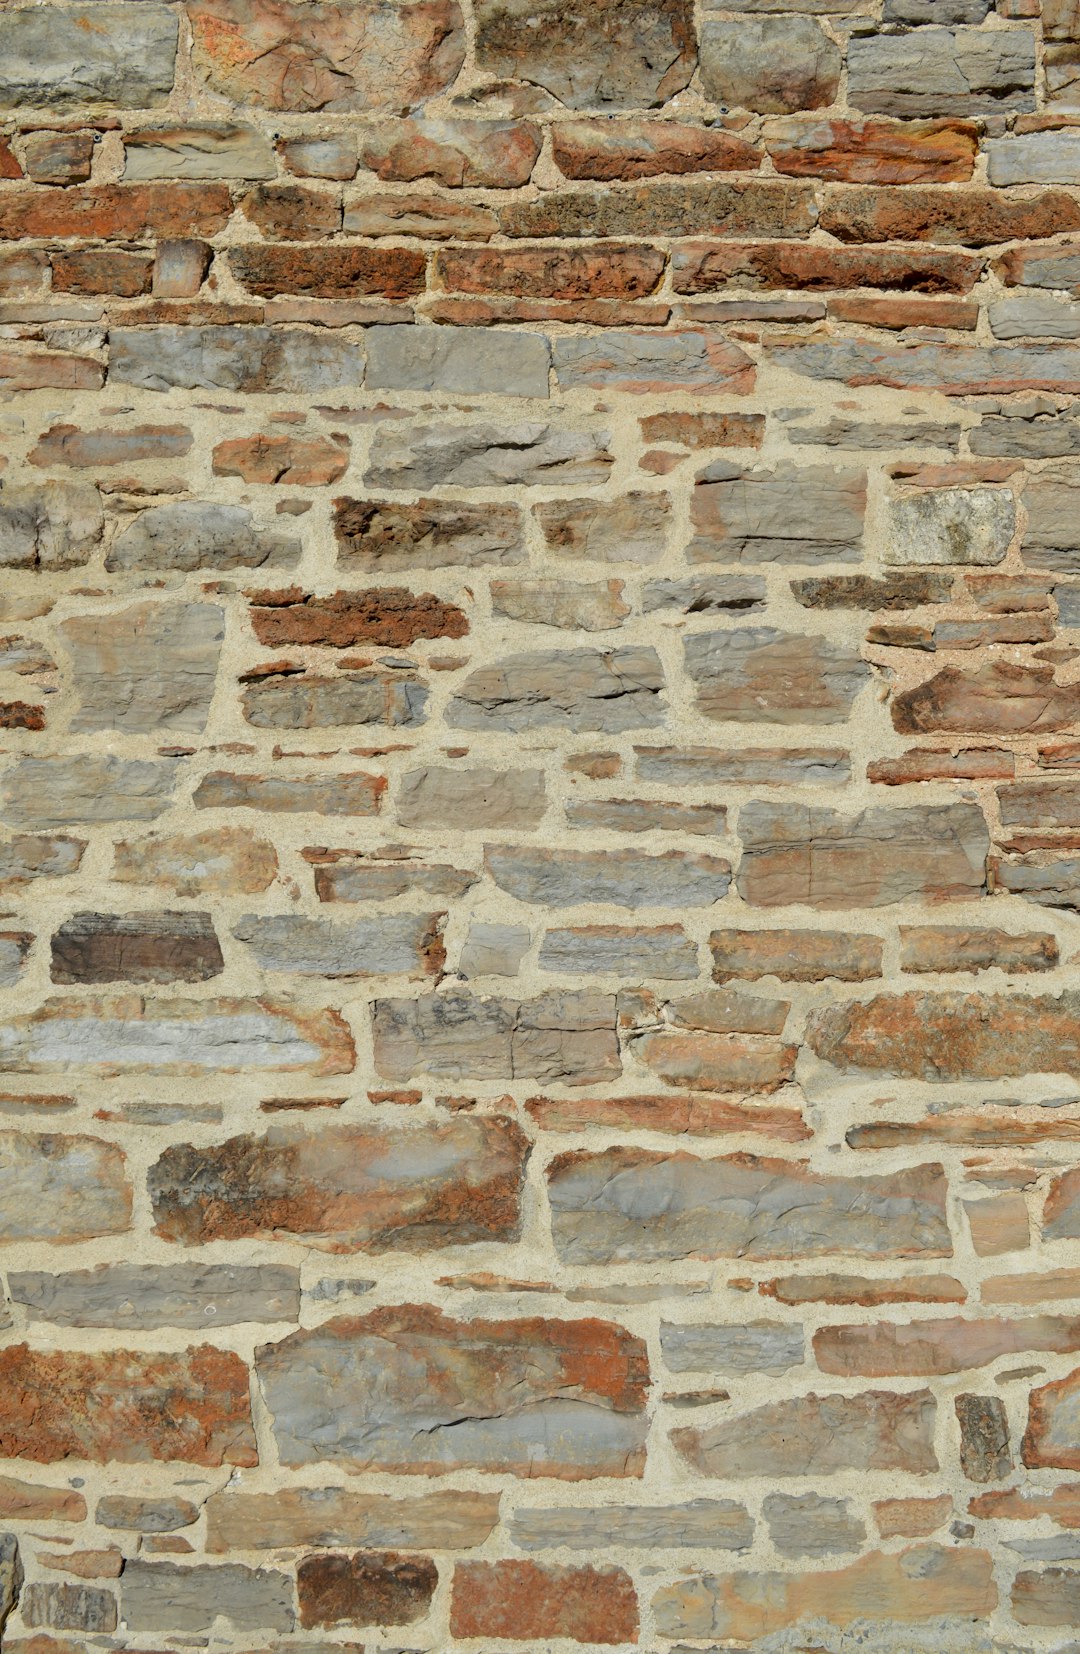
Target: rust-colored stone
{"points": [[391, 616], [531, 1602], [125, 1406], [366, 1588]]}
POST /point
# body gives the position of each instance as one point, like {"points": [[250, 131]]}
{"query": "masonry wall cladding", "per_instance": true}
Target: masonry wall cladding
{"points": [[539, 826]]}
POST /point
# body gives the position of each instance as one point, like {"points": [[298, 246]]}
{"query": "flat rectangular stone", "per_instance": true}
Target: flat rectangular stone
{"points": [[627, 1204], [167, 1596], [939, 71], [568, 1037], [699, 1524], [459, 360], [88, 54], [410, 1390], [294, 1517], [792, 514], [193, 1295]]}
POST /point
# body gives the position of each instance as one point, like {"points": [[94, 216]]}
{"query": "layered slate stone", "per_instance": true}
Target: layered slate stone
{"points": [[560, 1036], [823, 859], [347, 1188], [627, 1204], [412, 1391]]}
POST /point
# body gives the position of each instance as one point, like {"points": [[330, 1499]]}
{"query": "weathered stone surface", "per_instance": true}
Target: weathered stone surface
{"points": [[769, 64], [61, 1189], [950, 1036], [96, 54], [632, 529], [623, 1204], [984, 1438], [966, 218], [1052, 1438], [288, 702], [192, 1406], [408, 944], [294, 1516], [743, 766], [454, 1184], [950, 525], [715, 1524], [807, 1524], [998, 698], [220, 861], [332, 56], [480, 456], [167, 1596], [651, 363], [24, 858], [457, 359], [567, 604], [918, 1584], [919, 1349], [68, 1607], [477, 798], [412, 1391], [148, 667], [570, 689], [136, 947], [616, 54], [159, 1295], [815, 1435], [955, 948], [604, 149], [195, 534], [347, 876], [667, 206], [48, 526], [526, 1600], [216, 149], [793, 514], [663, 951], [61, 792], [392, 616], [174, 1036], [873, 152], [145, 1515], [954, 370], [367, 1588], [758, 674], [567, 1037], [625, 878], [453, 152], [794, 955], [355, 793], [713, 267], [233, 359], [823, 859], [390, 536], [85, 450], [754, 1347], [939, 71]]}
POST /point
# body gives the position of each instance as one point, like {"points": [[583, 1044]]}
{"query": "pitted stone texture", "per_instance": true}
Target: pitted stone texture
{"points": [[192, 1406], [950, 525], [411, 1391], [613, 54]]}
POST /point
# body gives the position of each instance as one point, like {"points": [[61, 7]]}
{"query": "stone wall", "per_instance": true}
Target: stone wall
{"points": [[540, 1045]]}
